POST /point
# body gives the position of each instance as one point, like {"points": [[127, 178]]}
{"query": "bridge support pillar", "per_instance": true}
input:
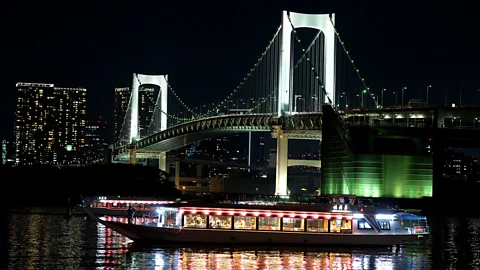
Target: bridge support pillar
{"points": [[133, 157], [177, 174], [282, 162], [162, 161]]}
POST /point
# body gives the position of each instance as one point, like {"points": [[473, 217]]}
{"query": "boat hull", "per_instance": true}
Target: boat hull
{"points": [[114, 212], [141, 233]]}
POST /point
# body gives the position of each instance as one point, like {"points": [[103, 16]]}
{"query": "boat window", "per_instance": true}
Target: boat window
{"points": [[317, 225], [363, 224], [220, 222], [340, 226], [384, 225], [293, 224], [169, 218], [195, 221], [269, 223], [245, 223]]}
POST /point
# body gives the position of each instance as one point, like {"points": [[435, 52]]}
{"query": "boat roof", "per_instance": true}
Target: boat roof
{"points": [[408, 216]]}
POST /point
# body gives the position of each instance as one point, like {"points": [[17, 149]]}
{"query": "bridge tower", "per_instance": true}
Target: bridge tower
{"points": [[162, 82], [324, 23]]}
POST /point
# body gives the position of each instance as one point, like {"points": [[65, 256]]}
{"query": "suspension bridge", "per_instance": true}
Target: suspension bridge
{"points": [[283, 93]]}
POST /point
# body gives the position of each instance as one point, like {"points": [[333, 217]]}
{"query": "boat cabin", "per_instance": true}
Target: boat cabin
{"points": [[254, 219]]}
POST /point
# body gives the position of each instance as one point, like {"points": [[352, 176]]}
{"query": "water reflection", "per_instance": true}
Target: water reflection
{"points": [[278, 258], [456, 243], [110, 247], [54, 242]]}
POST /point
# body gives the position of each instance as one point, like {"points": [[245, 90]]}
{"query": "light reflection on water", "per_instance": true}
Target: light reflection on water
{"points": [[53, 242]]}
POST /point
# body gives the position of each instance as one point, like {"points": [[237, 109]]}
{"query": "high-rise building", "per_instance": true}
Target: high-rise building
{"points": [[95, 140], [49, 124], [8, 151], [458, 166], [147, 99], [122, 99]]}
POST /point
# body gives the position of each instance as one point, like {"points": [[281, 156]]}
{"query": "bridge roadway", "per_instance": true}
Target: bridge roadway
{"points": [[291, 162], [296, 126], [451, 118]]}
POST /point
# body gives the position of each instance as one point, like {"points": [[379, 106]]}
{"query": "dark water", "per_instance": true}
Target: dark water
{"points": [[39, 241]]}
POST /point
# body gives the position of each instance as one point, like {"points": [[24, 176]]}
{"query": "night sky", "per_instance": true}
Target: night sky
{"points": [[208, 50]]}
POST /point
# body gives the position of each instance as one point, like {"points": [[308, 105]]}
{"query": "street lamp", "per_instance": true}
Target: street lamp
{"points": [[382, 95], [428, 88], [346, 100], [314, 103], [396, 98], [295, 105], [403, 90], [363, 92]]}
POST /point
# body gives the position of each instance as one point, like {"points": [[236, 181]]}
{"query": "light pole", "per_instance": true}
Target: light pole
{"points": [[314, 103], [428, 88], [363, 93], [295, 104], [396, 98], [346, 100], [403, 90], [461, 89], [382, 95]]}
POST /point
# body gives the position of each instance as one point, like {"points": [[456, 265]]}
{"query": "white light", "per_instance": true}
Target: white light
{"points": [[383, 216], [358, 216]]}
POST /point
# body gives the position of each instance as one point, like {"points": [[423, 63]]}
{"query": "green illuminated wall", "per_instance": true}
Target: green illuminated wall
{"points": [[352, 165], [368, 175]]}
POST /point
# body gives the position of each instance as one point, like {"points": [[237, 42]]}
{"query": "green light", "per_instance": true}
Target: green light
{"points": [[391, 176]]}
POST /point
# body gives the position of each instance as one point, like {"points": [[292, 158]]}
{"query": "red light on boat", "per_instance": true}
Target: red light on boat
{"points": [[361, 209]]}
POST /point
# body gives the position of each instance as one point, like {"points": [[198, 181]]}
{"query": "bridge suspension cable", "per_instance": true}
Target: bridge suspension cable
{"points": [[307, 93], [213, 108], [365, 89]]}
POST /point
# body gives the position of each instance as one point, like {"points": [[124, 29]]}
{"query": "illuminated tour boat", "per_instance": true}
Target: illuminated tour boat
{"points": [[279, 224], [114, 206]]}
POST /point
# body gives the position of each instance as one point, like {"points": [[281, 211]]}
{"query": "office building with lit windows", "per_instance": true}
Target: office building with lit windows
{"points": [[122, 99], [458, 166], [146, 105], [95, 140], [147, 98], [49, 124]]}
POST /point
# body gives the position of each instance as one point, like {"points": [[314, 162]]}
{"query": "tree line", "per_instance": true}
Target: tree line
{"points": [[49, 185]]}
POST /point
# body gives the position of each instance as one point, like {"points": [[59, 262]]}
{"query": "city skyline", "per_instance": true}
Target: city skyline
{"points": [[388, 60]]}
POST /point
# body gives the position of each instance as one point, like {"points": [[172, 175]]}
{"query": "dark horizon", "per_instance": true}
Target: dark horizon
{"points": [[100, 47]]}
